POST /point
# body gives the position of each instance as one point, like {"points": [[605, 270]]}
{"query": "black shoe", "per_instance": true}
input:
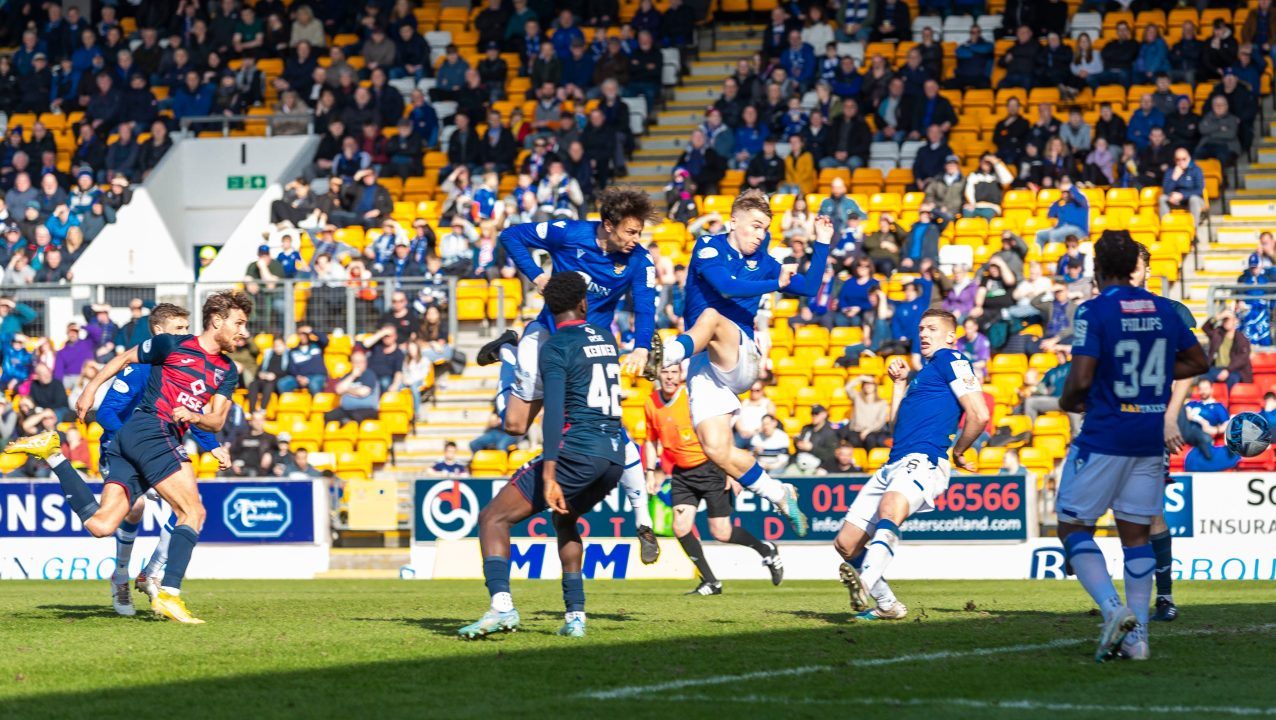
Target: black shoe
{"points": [[650, 547], [655, 358], [707, 588], [775, 564], [1166, 610], [491, 352]]}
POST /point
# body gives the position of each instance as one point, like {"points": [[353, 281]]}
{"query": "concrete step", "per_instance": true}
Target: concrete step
{"points": [[685, 117], [1264, 208], [719, 67], [456, 413], [662, 143], [1260, 181], [1233, 263], [451, 429], [363, 559], [1232, 237]]}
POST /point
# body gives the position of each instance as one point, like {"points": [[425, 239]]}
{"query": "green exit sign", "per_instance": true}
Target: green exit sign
{"points": [[245, 182]]}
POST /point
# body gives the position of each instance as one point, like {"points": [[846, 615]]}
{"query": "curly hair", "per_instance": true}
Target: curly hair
{"points": [[617, 203], [1116, 255], [564, 291], [219, 305]]}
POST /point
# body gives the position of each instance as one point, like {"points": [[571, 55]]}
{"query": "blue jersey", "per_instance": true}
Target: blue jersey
{"points": [[732, 283], [929, 413], [573, 247], [123, 397], [1135, 336]]}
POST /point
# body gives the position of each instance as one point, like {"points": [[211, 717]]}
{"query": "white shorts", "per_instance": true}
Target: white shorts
{"points": [[527, 371], [714, 391], [914, 476], [1133, 487]]}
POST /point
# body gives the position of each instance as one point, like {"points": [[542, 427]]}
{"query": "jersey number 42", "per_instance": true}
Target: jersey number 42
{"points": [[604, 390]]}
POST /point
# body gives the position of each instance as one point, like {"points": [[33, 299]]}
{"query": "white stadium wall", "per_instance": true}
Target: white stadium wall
{"points": [[206, 191]]}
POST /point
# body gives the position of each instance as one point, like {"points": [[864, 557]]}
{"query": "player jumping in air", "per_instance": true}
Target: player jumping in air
{"points": [[608, 254], [189, 374], [584, 456], [925, 414], [121, 399], [1129, 348], [695, 478], [728, 276]]}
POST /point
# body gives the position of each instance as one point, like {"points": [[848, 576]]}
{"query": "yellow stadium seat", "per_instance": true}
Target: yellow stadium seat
{"points": [[294, 402], [877, 457], [1051, 445], [489, 463], [1052, 424], [353, 465], [786, 308], [811, 336], [991, 459], [207, 466], [842, 337], [1009, 364], [1043, 362], [1036, 460], [374, 441], [519, 458]]}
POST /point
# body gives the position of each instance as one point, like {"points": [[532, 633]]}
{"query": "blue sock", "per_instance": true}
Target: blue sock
{"points": [[180, 549], [1092, 570], [77, 491], [574, 592], [857, 562], [496, 574], [125, 535], [1162, 547], [1140, 561]]}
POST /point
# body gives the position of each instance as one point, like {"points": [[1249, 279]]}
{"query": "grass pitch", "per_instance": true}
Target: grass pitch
{"points": [[387, 649]]}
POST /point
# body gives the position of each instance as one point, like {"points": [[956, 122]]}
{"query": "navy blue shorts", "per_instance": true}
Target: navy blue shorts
{"points": [[585, 481], [142, 455]]}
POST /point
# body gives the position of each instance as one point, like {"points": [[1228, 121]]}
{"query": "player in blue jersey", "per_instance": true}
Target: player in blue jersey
{"points": [[121, 399], [191, 381], [583, 459], [609, 255], [1162, 542], [925, 413], [727, 278], [1129, 347]]}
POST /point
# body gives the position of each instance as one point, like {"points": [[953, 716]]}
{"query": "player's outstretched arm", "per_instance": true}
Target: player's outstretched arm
{"points": [[808, 283], [972, 403], [519, 240], [85, 402], [898, 372], [116, 406]]}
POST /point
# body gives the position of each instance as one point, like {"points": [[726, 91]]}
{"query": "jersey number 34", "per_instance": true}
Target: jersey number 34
{"points": [[604, 390], [1135, 379]]}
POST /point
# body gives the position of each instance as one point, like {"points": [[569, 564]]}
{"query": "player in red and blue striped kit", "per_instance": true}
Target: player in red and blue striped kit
{"points": [[191, 381]]}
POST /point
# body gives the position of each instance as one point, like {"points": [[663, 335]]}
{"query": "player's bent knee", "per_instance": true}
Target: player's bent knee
{"points": [[721, 533]]}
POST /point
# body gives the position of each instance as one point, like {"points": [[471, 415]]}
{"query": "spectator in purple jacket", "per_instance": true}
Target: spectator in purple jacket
{"points": [[975, 345], [77, 350], [960, 300]]}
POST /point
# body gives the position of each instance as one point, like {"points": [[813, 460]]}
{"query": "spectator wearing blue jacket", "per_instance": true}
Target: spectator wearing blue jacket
{"points": [[749, 136], [17, 362], [1153, 57], [798, 60], [306, 367], [1183, 187], [425, 121], [565, 33], [1142, 121], [1071, 213], [193, 99]]}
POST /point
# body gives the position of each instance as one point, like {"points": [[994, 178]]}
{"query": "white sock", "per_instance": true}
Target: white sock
{"points": [[882, 593], [1092, 570], [674, 352], [502, 602], [771, 489], [633, 481], [123, 551], [1139, 565], [170, 590], [575, 616], [56, 459], [880, 552], [160, 556]]}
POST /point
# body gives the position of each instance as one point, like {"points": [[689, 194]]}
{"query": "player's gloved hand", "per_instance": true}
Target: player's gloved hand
{"points": [[635, 362], [823, 229], [223, 457], [184, 415], [1173, 438], [787, 271]]}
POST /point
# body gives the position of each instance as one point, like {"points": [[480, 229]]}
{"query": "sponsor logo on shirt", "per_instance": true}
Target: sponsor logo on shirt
{"points": [[1137, 306]]}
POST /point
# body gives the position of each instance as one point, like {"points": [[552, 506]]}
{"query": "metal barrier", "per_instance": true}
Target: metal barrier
{"points": [[281, 306], [227, 123], [1221, 295]]}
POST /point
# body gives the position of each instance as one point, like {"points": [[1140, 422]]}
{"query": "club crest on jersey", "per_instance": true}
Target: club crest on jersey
{"points": [[751, 264], [218, 376], [618, 269]]}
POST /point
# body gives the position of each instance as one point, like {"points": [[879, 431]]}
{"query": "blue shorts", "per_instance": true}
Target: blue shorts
{"points": [[142, 455], [585, 481]]}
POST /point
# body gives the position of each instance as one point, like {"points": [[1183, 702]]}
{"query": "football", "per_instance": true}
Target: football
{"points": [[1247, 434]]}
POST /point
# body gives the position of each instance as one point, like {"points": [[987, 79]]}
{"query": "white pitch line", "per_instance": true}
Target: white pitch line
{"points": [[1027, 705], [637, 690]]}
